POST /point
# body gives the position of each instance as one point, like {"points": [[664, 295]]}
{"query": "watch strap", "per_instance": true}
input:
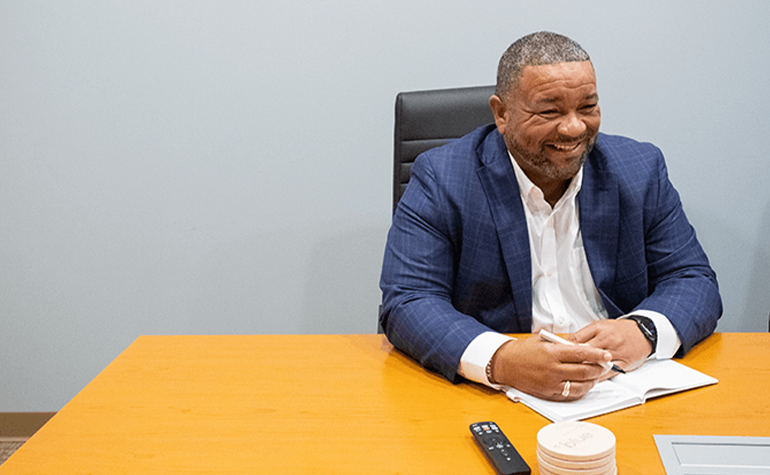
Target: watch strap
{"points": [[647, 327]]}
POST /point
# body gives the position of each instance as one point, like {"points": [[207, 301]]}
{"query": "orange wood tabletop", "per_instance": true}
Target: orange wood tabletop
{"points": [[347, 404]]}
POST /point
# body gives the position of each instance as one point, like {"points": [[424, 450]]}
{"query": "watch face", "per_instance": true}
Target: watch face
{"points": [[647, 327], [645, 324]]}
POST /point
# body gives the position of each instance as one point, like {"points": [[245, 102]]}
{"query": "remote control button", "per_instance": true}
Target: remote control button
{"points": [[498, 449]]}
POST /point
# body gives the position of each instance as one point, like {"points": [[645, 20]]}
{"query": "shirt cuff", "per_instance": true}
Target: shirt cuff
{"points": [[668, 340], [473, 362]]}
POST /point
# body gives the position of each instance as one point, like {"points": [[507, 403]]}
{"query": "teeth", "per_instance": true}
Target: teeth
{"points": [[563, 146]]}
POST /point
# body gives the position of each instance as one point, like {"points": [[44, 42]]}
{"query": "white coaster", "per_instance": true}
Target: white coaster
{"points": [[576, 441], [602, 463], [550, 469]]}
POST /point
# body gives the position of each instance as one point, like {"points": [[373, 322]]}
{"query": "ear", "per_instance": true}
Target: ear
{"points": [[499, 112]]}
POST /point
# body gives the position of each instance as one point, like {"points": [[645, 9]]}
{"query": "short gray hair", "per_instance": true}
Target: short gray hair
{"points": [[534, 49]]}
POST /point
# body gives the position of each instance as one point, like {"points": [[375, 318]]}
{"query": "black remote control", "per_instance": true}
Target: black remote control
{"points": [[498, 449]]}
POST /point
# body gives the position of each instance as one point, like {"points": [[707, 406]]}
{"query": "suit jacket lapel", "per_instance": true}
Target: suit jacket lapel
{"points": [[598, 205], [502, 191]]}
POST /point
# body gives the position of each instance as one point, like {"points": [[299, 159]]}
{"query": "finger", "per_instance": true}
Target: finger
{"points": [[577, 390], [586, 333], [580, 354], [580, 389], [608, 375], [583, 372]]}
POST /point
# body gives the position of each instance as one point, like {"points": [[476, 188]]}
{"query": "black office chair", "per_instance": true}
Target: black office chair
{"points": [[427, 119]]}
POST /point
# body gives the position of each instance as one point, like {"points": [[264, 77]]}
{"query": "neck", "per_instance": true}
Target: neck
{"points": [[552, 193], [552, 189]]}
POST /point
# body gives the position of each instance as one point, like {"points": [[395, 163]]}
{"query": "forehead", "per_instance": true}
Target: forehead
{"points": [[560, 81]]}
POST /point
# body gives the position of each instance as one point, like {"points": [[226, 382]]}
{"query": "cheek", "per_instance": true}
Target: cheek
{"points": [[592, 125], [594, 121], [535, 133]]}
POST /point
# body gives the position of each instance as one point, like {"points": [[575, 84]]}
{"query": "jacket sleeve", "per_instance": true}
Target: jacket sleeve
{"points": [[681, 283], [418, 275]]}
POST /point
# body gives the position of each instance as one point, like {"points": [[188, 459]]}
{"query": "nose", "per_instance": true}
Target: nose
{"points": [[571, 125]]}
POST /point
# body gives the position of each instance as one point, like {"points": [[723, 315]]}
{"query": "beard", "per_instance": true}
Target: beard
{"points": [[543, 164]]}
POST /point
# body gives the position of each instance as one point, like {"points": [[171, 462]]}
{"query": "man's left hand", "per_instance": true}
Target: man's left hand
{"points": [[621, 337]]}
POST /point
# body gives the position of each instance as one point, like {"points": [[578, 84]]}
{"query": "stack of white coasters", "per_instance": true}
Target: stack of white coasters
{"points": [[570, 448]]}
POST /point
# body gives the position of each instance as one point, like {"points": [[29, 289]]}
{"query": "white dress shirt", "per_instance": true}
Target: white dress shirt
{"points": [[564, 296]]}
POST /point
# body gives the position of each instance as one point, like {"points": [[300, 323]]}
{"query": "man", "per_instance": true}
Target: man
{"points": [[541, 222]]}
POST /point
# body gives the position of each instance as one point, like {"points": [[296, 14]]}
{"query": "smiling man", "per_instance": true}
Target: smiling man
{"points": [[550, 122], [541, 222]]}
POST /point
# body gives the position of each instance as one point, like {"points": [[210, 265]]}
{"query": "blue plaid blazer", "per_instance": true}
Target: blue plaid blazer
{"points": [[457, 259]]}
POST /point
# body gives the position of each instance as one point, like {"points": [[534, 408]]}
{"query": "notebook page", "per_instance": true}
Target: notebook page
{"points": [[602, 398], [659, 377]]}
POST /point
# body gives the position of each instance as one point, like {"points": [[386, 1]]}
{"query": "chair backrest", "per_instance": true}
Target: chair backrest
{"points": [[427, 119]]}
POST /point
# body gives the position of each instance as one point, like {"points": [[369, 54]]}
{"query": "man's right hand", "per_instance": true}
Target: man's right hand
{"points": [[543, 369]]}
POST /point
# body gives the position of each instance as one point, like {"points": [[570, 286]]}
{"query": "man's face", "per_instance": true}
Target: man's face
{"points": [[550, 120]]}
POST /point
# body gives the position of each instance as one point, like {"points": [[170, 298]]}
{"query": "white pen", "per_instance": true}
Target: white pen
{"points": [[548, 336]]}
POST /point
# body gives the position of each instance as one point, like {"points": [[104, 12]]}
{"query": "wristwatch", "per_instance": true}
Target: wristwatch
{"points": [[647, 327]]}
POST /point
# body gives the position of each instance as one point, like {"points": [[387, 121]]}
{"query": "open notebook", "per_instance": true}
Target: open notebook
{"points": [[655, 378]]}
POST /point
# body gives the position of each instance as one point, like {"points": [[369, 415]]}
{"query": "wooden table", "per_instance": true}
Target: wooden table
{"points": [[346, 404]]}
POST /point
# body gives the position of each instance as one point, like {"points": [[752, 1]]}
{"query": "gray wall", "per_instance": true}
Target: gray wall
{"points": [[198, 167]]}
